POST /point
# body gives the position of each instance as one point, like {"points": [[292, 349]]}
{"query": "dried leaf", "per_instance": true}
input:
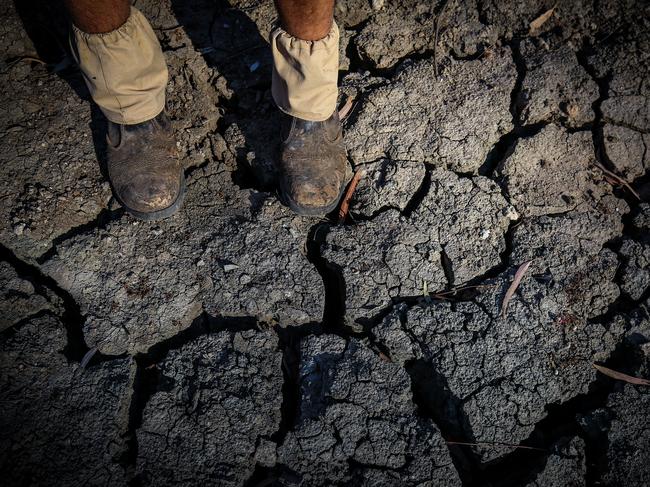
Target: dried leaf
{"points": [[513, 287], [384, 357], [89, 355], [621, 376], [541, 20], [345, 109], [345, 203]]}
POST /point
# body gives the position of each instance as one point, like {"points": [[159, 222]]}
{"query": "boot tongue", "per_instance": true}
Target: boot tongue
{"points": [[116, 132]]}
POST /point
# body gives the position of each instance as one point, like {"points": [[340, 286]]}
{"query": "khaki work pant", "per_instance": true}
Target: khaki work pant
{"points": [[126, 73]]}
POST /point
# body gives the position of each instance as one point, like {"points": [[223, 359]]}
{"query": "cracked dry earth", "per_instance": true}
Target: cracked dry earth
{"points": [[237, 344]]}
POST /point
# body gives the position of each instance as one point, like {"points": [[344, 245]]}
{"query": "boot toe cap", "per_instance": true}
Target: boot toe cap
{"points": [[149, 193], [315, 195]]}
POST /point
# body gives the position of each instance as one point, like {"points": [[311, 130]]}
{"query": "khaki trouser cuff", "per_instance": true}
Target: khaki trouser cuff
{"points": [[125, 70], [305, 74]]}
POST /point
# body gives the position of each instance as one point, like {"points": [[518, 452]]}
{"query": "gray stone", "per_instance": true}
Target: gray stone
{"points": [[357, 423], [217, 406], [452, 121], [58, 420]]}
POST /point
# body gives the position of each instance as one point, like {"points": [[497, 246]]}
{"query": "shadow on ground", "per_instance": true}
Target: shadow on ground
{"points": [[231, 43]]}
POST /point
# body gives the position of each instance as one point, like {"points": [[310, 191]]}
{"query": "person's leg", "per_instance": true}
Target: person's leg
{"points": [[124, 68], [309, 20], [98, 16], [305, 48]]}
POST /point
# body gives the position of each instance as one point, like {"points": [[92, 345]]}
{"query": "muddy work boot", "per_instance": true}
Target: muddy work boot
{"points": [[313, 166], [144, 169]]}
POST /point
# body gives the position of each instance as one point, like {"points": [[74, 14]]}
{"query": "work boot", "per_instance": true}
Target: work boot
{"points": [[144, 169], [313, 166]]}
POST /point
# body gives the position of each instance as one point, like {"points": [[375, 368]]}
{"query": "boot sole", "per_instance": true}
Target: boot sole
{"points": [[149, 216]]}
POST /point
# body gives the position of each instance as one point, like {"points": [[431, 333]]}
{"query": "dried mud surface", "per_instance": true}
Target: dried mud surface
{"points": [[238, 344]]}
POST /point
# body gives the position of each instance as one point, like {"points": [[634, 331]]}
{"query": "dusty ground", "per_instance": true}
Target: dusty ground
{"points": [[240, 345]]}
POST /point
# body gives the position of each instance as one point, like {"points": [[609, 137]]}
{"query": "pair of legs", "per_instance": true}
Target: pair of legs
{"points": [[130, 89], [309, 20]]}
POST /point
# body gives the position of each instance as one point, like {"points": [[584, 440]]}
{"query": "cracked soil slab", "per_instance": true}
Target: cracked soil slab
{"points": [[455, 234], [58, 420], [228, 252], [451, 121], [357, 425], [218, 402]]}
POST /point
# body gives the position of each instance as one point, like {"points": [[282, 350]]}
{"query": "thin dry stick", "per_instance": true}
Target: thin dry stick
{"points": [[616, 177], [463, 288], [621, 376], [484, 443], [435, 37], [519, 275], [345, 204]]}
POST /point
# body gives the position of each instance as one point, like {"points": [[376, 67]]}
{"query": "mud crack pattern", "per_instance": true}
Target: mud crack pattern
{"points": [[237, 344]]}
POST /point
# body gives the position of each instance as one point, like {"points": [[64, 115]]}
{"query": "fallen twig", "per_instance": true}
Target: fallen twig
{"points": [[435, 37], [618, 179], [31, 59], [514, 285], [497, 444], [621, 376], [345, 203], [458, 289]]}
